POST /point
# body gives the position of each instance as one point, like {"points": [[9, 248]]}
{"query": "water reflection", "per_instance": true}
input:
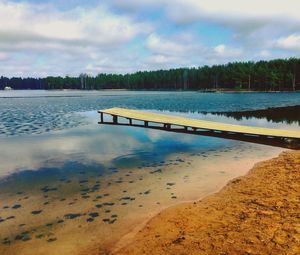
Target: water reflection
{"points": [[92, 144], [49, 173], [288, 114], [115, 145]]}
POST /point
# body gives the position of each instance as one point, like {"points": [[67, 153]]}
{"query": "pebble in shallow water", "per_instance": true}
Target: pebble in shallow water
{"points": [[72, 216], [36, 212], [16, 206]]}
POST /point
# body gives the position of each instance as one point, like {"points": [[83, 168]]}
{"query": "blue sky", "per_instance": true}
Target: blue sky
{"points": [[41, 38]]}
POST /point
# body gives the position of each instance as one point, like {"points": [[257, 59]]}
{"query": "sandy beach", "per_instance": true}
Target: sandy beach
{"points": [[255, 214]]}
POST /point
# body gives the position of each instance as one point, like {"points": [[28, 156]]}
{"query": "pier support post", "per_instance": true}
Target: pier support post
{"points": [[130, 122], [101, 117], [146, 123], [115, 119], [167, 126]]}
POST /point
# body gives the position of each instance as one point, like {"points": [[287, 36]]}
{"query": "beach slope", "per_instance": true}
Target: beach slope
{"points": [[255, 214]]}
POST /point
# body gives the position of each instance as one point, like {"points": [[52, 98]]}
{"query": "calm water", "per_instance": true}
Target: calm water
{"points": [[52, 151], [35, 112]]}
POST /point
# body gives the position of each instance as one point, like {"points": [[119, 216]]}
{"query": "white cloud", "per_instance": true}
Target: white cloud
{"points": [[23, 22], [173, 51], [252, 12], [264, 53], [3, 56], [161, 45], [125, 36], [185, 50], [225, 51], [291, 42], [220, 49], [160, 59], [43, 40], [253, 25], [133, 5], [230, 11]]}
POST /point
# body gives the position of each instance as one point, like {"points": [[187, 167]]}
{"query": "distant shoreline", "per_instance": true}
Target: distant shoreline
{"points": [[168, 90], [272, 75], [255, 213]]}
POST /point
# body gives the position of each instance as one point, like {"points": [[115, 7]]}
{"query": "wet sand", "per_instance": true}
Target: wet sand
{"points": [[255, 214], [88, 213]]}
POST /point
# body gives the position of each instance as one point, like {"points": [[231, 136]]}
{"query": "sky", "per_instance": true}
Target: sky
{"points": [[40, 38]]}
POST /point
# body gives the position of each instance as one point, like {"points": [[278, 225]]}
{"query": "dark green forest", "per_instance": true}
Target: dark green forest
{"points": [[274, 75]]}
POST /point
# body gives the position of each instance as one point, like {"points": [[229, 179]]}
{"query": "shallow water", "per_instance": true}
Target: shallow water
{"points": [[76, 186]]}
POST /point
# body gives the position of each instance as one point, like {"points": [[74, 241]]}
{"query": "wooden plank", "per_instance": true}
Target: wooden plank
{"points": [[201, 124]]}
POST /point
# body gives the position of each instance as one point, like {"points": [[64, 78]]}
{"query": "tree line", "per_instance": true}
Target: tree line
{"points": [[273, 75]]}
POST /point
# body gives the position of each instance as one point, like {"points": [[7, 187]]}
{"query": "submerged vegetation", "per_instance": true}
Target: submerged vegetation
{"points": [[274, 75]]}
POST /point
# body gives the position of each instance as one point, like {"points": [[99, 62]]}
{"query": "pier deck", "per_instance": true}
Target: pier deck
{"points": [[195, 126]]}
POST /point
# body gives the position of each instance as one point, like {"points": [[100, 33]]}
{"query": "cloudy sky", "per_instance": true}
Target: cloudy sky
{"points": [[59, 37]]}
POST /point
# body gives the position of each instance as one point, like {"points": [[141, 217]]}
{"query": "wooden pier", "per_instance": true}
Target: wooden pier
{"points": [[171, 123]]}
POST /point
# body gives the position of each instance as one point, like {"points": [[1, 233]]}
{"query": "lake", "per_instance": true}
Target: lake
{"points": [[68, 184]]}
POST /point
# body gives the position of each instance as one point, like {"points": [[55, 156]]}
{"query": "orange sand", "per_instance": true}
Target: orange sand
{"points": [[255, 214]]}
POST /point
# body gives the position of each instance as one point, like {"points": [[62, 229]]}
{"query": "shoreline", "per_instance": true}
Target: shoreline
{"points": [[247, 211], [221, 90]]}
